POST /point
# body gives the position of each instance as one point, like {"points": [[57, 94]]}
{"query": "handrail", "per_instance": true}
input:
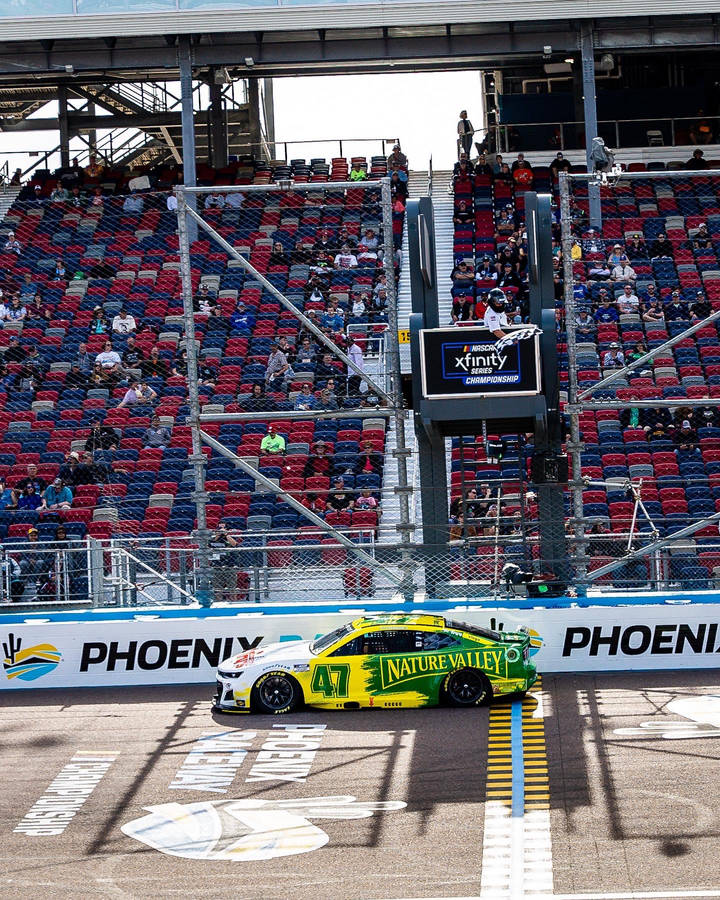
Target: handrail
{"points": [[430, 177], [502, 141]]}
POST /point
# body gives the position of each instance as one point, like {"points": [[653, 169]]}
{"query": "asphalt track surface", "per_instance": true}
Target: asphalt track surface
{"points": [[633, 799]]}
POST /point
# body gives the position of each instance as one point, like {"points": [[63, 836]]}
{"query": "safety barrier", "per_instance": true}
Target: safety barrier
{"points": [[68, 650]]}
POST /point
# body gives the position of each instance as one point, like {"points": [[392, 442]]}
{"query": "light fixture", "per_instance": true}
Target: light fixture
{"points": [[569, 60], [547, 50], [69, 69], [249, 62]]}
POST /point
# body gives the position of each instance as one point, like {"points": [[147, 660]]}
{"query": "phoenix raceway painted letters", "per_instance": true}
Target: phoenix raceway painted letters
{"points": [[188, 650], [246, 830]]}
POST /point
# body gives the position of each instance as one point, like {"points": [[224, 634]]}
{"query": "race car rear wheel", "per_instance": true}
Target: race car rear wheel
{"points": [[467, 687], [276, 693]]}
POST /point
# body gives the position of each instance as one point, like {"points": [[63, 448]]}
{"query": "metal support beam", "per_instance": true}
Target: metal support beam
{"points": [[254, 114], [290, 414], [63, 126], [184, 55], [269, 114], [269, 485], [271, 289], [591, 125], [217, 128], [204, 580], [171, 144]]}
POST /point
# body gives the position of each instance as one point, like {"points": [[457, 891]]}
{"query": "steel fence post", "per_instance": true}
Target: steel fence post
{"points": [[203, 578], [574, 445]]}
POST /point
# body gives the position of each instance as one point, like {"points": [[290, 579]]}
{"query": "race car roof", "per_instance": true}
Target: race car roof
{"points": [[400, 619]]}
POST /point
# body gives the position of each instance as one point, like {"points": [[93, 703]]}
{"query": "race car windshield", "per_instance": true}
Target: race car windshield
{"points": [[475, 629], [327, 640]]}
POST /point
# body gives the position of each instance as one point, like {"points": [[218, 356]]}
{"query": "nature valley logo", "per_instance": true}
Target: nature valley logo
{"points": [[395, 670], [31, 663]]}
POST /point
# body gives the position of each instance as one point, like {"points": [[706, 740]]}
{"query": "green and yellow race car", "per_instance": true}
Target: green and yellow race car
{"points": [[380, 661]]}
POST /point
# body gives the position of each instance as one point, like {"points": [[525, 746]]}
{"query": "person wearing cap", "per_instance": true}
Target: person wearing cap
{"points": [[635, 247], [616, 255], [157, 434], [12, 245], [397, 161], [272, 443], [676, 310], [327, 401], [613, 358], [702, 239], [700, 308], [584, 324], [339, 498], [124, 323], [242, 319], [319, 462], [661, 247], [305, 399], [57, 496], [606, 313], [138, 393], [558, 165], [623, 272], [685, 436], [653, 310]]}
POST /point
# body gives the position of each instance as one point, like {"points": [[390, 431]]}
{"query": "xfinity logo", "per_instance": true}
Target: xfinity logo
{"points": [[180, 653], [480, 356], [633, 640]]}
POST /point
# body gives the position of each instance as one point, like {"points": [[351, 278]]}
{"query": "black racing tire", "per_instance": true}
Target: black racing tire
{"points": [[467, 687], [275, 693]]}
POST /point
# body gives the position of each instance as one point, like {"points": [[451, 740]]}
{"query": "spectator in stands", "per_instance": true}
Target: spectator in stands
{"points": [[676, 310], [366, 257], [139, 393], [627, 302], [305, 399], [124, 323], [12, 245], [132, 355], [701, 307], [358, 172], [60, 194], [702, 238], [354, 381], [653, 311], [616, 255], [157, 434], [272, 443], [701, 131], [463, 215], [486, 272], [110, 361], [636, 248], [83, 359], [684, 437], [278, 257], [339, 498], [398, 188], [522, 174], [98, 322], [505, 223], [509, 278], [258, 401], [623, 272], [558, 165], [397, 161], [599, 271], [28, 288], [462, 276], [584, 325], [461, 172], [77, 198], [17, 310], [278, 370], [15, 353], [369, 461], [613, 358], [333, 318], [94, 169], [8, 497], [38, 309], [505, 174], [59, 273], [57, 496], [661, 247], [606, 313], [345, 259], [366, 500], [497, 165], [592, 242], [207, 374], [697, 162], [234, 200], [101, 437], [327, 400], [306, 352], [241, 320], [319, 462], [215, 201], [465, 132], [33, 478], [481, 166], [97, 199], [154, 366], [133, 203]]}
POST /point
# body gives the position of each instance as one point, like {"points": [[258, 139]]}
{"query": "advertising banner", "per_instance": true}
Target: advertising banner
{"points": [[463, 362], [176, 651]]}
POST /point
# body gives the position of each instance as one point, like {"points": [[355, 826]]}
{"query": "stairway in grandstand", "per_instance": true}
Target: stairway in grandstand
{"points": [[443, 207], [7, 198]]}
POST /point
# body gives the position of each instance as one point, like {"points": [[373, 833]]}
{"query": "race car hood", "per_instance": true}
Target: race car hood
{"points": [[280, 652]]}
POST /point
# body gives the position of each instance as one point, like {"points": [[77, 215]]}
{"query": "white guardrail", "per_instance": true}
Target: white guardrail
{"points": [[171, 649]]}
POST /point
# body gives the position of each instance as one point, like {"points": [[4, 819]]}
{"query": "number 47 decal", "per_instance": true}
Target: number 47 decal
{"points": [[330, 680]]}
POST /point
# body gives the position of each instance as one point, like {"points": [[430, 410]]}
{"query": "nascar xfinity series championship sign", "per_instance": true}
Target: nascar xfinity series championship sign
{"points": [[472, 362]]}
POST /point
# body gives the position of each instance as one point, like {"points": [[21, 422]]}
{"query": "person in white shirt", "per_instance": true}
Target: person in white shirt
{"points": [[627, 302], [123, 323], [495, 318], [345, 259], [623, 271], [614, 358], [109, 359]]}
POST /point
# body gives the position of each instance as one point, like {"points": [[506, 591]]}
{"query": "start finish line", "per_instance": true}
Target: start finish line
{"points": [[176, 646]]}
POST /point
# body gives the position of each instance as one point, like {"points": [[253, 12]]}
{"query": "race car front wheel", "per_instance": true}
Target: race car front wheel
{"points": [[276, 693], [467, 687]]}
